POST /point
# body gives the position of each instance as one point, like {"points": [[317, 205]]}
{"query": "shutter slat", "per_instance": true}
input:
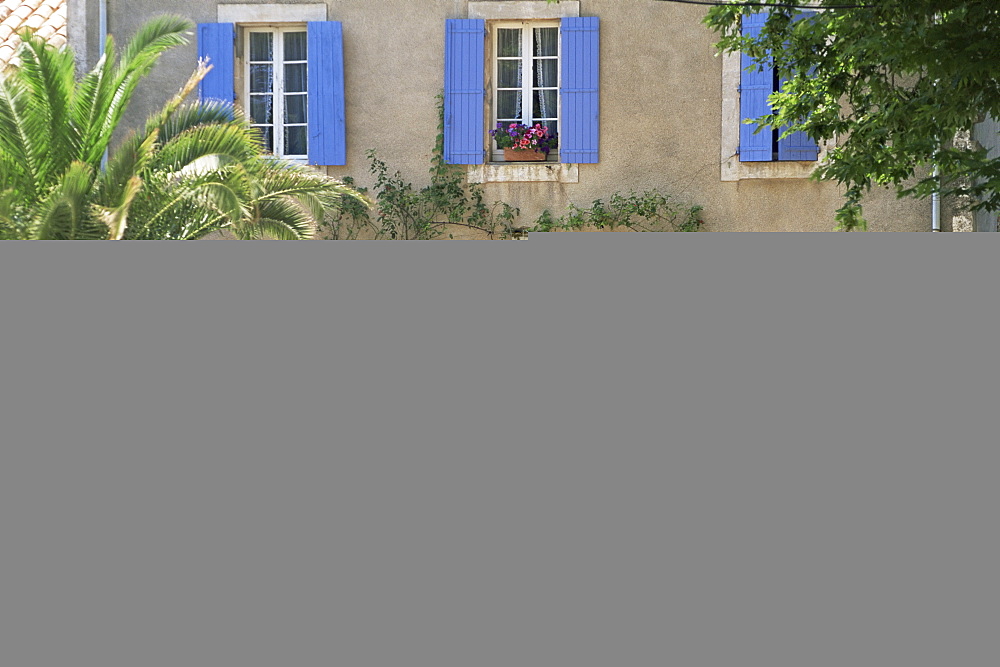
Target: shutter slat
{"points": [[216, 44], [326, 112], [579, 133], [755, 87], [464, 90]]}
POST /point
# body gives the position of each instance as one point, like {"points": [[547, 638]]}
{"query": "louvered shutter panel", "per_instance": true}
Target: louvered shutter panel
{"points": [[216, 42], [464, 90], [327, 127], [798, 145], [755, 87], [579, 132]]}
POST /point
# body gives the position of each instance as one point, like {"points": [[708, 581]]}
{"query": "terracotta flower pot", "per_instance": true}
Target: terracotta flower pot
{"points": [[521, 155]]}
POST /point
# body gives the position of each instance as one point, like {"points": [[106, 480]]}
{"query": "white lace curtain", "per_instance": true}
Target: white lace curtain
{"points": [[546, 44]]}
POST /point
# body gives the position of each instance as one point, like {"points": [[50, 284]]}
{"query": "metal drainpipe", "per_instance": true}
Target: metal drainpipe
{"points": [[102, 23], [936, 207]]}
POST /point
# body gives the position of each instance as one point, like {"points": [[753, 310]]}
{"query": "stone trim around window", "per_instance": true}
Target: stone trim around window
{"points": [[271, 13], [522, 9], [517, 10], [732, 168]]}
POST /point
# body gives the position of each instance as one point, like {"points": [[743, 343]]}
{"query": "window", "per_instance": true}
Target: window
{"points": [[276, 88], [756, 84], [543, 70], [525, 76], [288, 77]]}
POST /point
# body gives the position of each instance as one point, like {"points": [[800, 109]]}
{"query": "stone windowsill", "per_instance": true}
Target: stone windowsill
{"points": [[539, 172], [734, 170]]}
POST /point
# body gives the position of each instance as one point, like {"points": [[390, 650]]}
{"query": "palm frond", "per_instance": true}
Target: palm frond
{"points": [[111, 87], [49, 77], [281, 212], [88, 108], [21, 138], [64, 213], [14, 221], [156, 36], [138, 58], [282, 178], [130, 158], [116, 219], [202, 113], [217, 198], [138, 149], [187, 207], [230, 140], [269, 229]]}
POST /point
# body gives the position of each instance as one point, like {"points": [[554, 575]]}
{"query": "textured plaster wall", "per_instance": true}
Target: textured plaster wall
{"points": [[661, 111]]}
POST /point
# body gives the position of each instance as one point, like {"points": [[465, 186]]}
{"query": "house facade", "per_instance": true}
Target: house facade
{"points": [[634, 89]]}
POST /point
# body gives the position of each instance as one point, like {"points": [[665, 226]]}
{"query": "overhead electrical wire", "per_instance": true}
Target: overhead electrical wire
{"points": [[767, 4]]}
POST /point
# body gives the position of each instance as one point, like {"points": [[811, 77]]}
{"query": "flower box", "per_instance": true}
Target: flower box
{"points": [[521, 143], [522, 155]]}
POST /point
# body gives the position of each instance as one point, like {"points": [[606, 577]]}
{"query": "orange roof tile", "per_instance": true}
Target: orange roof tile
{"points": [[46, 17]]}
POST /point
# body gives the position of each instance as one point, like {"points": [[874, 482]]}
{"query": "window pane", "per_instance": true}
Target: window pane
{"points": [[508, 43], [295, 46], [546, 104], [295, 140], [261, 46], [261, 109], [261, 78], [267, 138], [295, 108], [546, 41], [547, 73], [509, 104], [509, 74], [295, 78]]}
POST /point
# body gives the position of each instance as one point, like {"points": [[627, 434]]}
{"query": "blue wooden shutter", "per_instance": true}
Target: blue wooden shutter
{"points": [[798, 145], [579, 131], [755, 87], [464, 90], [216, 43], [327, 126]]}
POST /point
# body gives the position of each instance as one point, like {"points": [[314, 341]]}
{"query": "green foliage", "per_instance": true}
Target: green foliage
{"points": [[190, 170], [651, 211], [894, 82]]}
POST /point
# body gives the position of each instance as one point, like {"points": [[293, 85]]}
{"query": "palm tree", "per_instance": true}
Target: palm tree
{"points": [[190, 170]]}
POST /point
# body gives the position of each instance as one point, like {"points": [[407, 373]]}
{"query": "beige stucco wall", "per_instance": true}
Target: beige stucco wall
{"points": [[661, 111]]}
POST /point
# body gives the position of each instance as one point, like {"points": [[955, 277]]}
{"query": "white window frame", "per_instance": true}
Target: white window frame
{"points": [[527, 81], [278, 30]]}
